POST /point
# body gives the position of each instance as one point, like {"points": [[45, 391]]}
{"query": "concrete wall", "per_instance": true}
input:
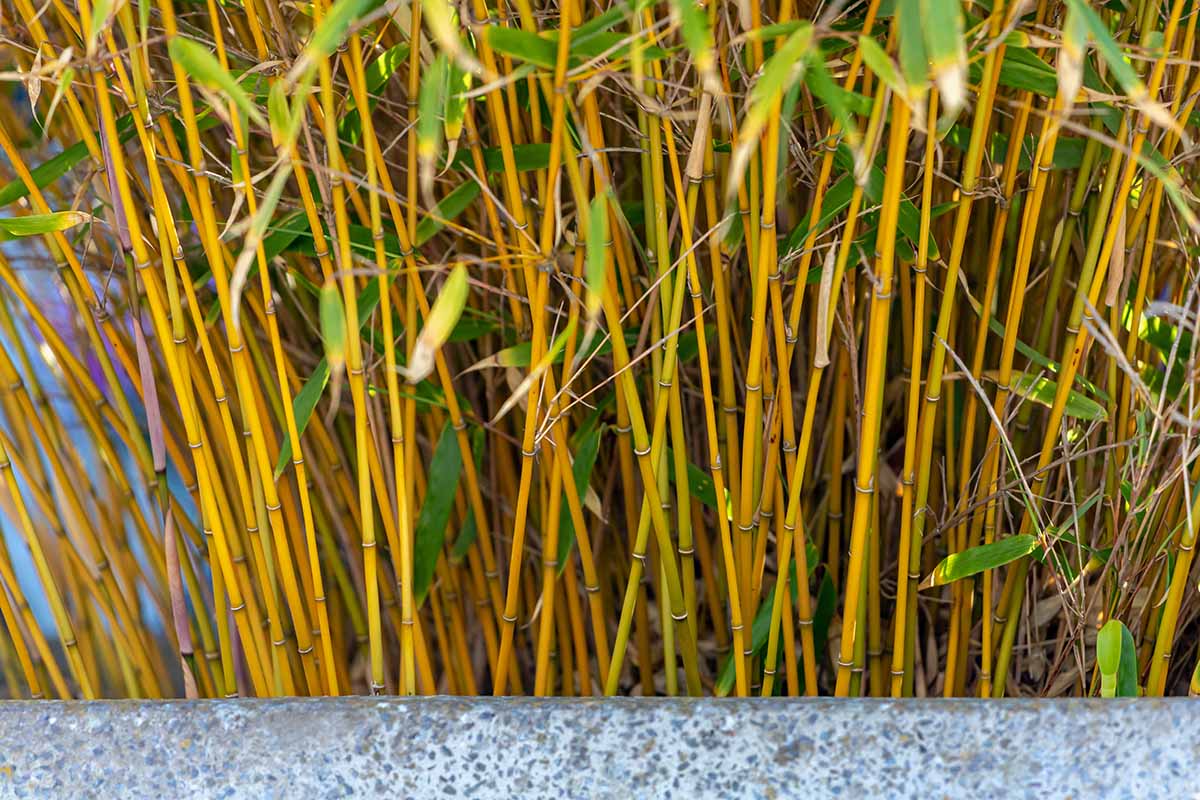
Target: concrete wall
{"points": [[446, 747]]}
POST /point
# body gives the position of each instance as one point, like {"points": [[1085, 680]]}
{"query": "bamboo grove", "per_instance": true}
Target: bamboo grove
{"points": [[598, 347]]}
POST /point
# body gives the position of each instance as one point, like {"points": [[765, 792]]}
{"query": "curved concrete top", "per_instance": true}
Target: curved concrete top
{"points": [[560, 748]]}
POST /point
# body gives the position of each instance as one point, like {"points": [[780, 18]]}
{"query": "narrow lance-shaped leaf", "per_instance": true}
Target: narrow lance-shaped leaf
{"points": [[698, 38], [449, 207], [780, 71], [63, 84], [284, 116], [1122, 70], [914, 60], [945, 44], [430, 102], [1070, 58], [1116, 656], [468, 533], [36, 224], [542, 365], [254, 238], [101, 11], [439, 16], [1042, 390], [430, 533], [597, 245], [974, 560], [204, 68], [821, 84], [879, 62], [329, 34], [457, 85], [302, 406], [441, 321], [585, 461], [333, 335]]}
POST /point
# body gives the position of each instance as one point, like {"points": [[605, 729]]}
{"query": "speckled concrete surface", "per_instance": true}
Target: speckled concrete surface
{"points": [[484, 748]]}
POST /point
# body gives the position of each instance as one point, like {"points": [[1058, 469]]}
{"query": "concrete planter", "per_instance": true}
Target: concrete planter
{"points": [[481, 747]]}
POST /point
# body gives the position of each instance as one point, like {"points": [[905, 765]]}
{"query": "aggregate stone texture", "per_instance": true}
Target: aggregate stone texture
{"points": [[617, 748]]}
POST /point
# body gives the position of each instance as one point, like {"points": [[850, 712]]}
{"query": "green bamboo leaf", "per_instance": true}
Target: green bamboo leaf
{"points": [[521, 44], [442, 20], [376, 75], [914, 61], [974, 560], [64, 83], [468, 532], [37, 224], [303, 405], [334, 28], [819, 82], [585, 461], [441, 321], [457, 85], [284, 115], [526, 157], [881, 64], [760, 630], [1070, 67], [1042, 390], [380, 71], [542, 50], [697, 38], [1022, 69], [786, 66], [101, 11], [449, 207], [333, 326], [259, 225], [759, 633], [430, 107], [597, 246], [430, 533], [1116, 656], [945, 44], [611, 45], [1119, 65], [700, 485], [551, 357], [204, 68], [51, 170]]}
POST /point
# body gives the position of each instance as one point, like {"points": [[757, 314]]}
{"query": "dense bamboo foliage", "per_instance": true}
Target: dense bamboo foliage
{"points": [[598, 346]]}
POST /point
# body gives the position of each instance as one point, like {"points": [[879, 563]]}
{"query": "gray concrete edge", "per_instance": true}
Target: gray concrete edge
{"points": [[563, 748]]}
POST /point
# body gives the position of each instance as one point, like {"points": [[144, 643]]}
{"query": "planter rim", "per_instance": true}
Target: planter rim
{"points": [[593, 747]]}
